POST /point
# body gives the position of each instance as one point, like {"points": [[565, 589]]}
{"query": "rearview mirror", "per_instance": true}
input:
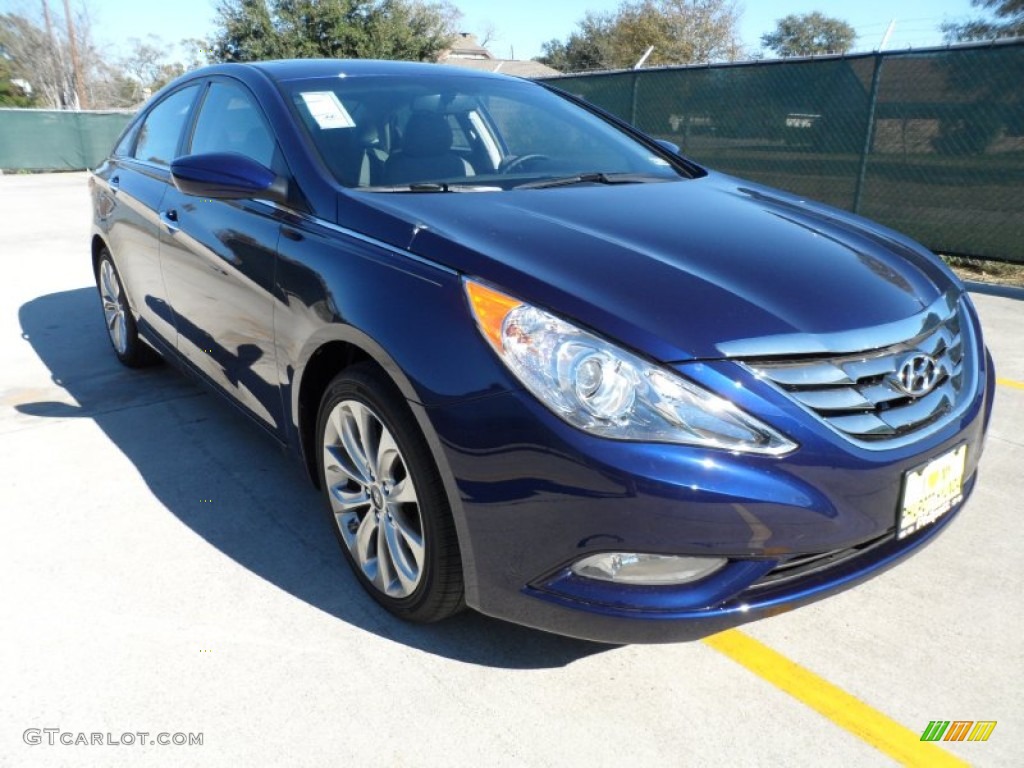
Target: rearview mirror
{"points": [[227, 176], [673, 148]]}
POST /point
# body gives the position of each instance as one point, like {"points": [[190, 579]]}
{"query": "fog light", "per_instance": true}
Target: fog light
{"points": [[641, 569]]}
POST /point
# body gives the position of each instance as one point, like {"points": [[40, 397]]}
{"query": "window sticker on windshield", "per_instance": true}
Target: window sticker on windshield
{"points": [[327, 110]]}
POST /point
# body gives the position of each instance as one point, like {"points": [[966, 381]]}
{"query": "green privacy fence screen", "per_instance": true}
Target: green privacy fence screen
{"points": [[53, 140], [929, 142]]}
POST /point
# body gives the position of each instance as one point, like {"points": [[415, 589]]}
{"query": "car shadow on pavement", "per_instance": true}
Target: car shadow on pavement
{"points": [[230, 483]]}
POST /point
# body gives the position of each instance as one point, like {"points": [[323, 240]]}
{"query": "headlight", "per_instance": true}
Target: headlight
{"points": [[607, 391]]}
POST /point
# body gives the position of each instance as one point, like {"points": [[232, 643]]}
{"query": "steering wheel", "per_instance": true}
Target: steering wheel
{"points": [[518, 161]]}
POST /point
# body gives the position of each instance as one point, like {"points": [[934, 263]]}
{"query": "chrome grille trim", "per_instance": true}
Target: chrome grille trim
{"points": [[857, 394]]}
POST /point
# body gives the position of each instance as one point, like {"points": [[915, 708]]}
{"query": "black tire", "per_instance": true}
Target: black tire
{"points": [[122, 331], [367, 503]]}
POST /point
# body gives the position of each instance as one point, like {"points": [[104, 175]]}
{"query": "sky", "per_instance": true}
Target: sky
{"points": [[521, 26]]}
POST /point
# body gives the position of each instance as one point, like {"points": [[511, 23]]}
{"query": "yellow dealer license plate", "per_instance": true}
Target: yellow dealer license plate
{"points": [[931, 491]]}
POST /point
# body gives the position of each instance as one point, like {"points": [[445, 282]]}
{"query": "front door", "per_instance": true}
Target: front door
{"points": [[219, 259]]}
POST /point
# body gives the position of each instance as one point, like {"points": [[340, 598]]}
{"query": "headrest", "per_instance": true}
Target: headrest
{"points": [[426, 134]]}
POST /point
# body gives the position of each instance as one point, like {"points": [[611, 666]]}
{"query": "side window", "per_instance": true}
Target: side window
{"points": [[124, 146], [230, 121], [158, 137]]}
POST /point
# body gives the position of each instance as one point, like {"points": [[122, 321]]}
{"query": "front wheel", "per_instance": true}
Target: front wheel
{"points": [[387, 504], [130, 349]]}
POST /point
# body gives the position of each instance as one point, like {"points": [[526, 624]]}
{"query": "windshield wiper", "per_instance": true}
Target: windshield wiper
{"points": [[596, 177], [432, 186]]}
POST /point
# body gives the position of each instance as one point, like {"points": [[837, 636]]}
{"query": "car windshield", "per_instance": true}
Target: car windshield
{"points": [[452, 133]]}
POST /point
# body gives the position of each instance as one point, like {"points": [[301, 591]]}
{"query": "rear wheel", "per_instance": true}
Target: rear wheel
{"points": [[121, 328], [386, 500]]}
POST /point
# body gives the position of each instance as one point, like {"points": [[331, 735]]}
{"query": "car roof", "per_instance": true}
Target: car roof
{"points": [[295, 69]]}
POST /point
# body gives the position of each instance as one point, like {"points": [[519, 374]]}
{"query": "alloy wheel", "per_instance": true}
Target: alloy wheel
{"points": [[113, 307], [373, 499]]}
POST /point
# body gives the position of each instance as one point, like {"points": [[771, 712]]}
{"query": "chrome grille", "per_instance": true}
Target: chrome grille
{"points": [[860, 395]]}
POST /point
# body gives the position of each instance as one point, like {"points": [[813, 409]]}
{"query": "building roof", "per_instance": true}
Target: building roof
{"points": [[512, 67], [467, 53], [467, 47]]}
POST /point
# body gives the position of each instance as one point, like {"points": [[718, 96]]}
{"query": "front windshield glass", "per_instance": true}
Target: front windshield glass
{"points": [[454, 133]]}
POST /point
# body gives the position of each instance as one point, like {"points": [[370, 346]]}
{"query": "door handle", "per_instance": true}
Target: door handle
{"points": [[170, 220], [115, 184]]}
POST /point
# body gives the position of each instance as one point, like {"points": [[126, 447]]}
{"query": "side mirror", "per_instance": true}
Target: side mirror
{"points": [[227, 176], [673, 148]]}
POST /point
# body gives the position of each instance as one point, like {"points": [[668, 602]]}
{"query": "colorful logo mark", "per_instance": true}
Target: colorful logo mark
{"points": [[958, 730]]}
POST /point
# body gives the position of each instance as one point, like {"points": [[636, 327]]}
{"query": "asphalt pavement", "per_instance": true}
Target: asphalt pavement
{"points": [[165, 570]]}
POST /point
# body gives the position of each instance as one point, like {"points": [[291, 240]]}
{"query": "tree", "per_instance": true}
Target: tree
{"points": [[147, 69], [13, 92], [589, 47], [39, 52], [488, 34], [149, 65], [198, 53], [36, 50], [251, 30], [39, 58], [1008, 22], [809, 34], [681, 31]]}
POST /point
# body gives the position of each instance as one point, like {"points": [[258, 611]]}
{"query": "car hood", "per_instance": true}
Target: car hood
{"points": [[678, 270]]}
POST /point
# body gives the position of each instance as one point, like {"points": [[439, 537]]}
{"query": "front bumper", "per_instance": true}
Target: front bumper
{"points": [[532, 495]]}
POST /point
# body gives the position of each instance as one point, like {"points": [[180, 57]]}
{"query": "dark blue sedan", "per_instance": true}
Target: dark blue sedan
{"points": [[539, 363]]}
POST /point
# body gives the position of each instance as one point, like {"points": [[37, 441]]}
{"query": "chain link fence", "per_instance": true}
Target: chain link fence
{"points": [[929, 142], [55, 140]]}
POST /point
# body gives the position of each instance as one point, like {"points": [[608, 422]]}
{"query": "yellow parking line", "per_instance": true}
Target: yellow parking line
{"points": [[881, 732], [1010, 383]]}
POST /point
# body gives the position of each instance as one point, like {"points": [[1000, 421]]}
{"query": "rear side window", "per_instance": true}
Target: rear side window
{"points": [[124, 146], [159, 135], [230, 121]]}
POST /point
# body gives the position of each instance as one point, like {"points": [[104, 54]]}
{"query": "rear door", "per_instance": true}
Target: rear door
{"points": [[219, 259], [136, 181]]}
